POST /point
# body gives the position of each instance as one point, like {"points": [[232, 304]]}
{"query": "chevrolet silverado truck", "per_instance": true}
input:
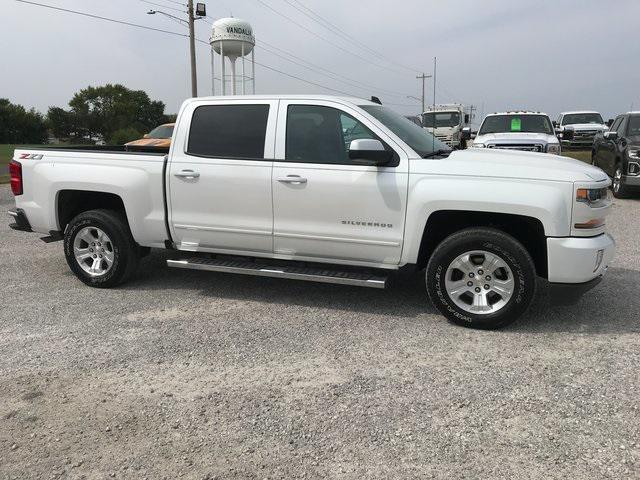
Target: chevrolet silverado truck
{"points": [[617, 152], [518, 130], [583, 125], [328, 189]]}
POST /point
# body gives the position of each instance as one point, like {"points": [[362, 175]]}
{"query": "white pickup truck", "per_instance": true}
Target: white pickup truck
{"points": [[329, 189]]}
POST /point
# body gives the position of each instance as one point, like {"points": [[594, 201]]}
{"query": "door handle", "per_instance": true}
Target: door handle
{"points": [[187, 174], [292, 179]]}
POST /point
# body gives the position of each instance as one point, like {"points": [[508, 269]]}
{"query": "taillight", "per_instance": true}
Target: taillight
{"points": [[15, 173]]}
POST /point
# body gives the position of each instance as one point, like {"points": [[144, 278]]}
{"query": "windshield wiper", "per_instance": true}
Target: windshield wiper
{"points": [[438, 153]]}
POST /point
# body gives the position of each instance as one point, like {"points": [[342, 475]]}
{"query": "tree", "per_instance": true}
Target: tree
{"points": [[109, 108], [19, 125]]}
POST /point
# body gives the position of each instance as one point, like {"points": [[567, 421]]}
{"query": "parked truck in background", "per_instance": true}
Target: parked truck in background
{"points": [[585, 125], [446, 122], [328, 189], [617, 152], [518, 130]]}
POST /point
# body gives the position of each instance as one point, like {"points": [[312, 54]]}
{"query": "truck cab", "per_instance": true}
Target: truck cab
{"points": [[446, 122], [518, 130]]}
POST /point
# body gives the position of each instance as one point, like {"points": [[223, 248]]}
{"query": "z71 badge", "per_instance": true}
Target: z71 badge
{"points": [[31, 156]]}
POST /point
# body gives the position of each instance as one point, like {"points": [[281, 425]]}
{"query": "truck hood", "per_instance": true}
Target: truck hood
{"points": [[578, 127], [516, 137], [509, 164]]}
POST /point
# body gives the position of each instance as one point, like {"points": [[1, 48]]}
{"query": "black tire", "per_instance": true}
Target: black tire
{"points": [[126, 252], [620, 190], [497, 243]]}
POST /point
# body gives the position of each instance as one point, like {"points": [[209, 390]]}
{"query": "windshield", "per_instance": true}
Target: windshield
{"points": [[516, 123], [421, 141], [163, 131], [441, 119], [574, 118]]}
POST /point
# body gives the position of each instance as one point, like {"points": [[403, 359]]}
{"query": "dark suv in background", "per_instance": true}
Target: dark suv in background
{"points": [[617, 152]]}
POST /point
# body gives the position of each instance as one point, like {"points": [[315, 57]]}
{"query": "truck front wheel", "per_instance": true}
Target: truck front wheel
{"points": [[99, 248], [481, 278]]}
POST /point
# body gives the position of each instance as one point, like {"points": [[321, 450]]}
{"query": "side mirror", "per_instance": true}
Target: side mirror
{"points": [[367, 151], [466, 118], [610, 122], [555, 124], [466, 133], [567, 134], [611, 135], [146, 135]]}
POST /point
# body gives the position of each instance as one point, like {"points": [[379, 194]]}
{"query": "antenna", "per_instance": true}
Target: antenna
{"points": [[435, 64]]}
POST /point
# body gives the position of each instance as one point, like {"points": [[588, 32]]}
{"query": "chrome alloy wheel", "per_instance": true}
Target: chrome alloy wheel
{"points": [[617, 180], [93, 251], [479, 282]]}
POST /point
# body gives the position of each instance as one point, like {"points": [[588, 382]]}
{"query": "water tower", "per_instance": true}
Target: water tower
{"points": [[232, 38]]}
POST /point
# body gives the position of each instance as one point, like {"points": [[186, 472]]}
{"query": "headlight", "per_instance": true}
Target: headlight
{"points": [[594, 197], [553, 149], [478, 145], [633, 168], [634, 153]]}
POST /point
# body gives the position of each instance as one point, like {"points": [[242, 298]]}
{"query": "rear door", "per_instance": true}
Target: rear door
{"points": [[326, 208], [219, 177]]}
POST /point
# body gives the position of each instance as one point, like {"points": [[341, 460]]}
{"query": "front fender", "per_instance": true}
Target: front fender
{"points": [[547, 201]]}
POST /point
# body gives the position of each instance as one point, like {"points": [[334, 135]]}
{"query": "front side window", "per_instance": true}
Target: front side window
{"points": [[576, 118], [318, 134], [516, 123], [228, 131], [616, 124], [421, 141], [441, 119]]}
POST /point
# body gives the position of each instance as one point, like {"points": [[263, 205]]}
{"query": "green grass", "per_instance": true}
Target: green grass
{"points": [[582, 155]]}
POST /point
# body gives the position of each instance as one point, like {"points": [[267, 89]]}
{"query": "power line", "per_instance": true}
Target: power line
{"points": [[164, 6], [321, 37], [130, 24], [103, 18], [319, 19]]}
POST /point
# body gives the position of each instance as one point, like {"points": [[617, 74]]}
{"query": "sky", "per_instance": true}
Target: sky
{"points": [[542, 55]]}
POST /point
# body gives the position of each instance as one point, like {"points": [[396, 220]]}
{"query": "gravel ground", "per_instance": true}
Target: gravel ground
{"points": [[200, 375]]}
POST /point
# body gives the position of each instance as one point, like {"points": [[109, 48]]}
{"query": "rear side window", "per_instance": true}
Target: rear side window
{"points": [[228, 131]]}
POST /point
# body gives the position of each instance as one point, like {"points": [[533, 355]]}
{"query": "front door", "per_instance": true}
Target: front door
{"points": [[219, 178], [327, 208]]}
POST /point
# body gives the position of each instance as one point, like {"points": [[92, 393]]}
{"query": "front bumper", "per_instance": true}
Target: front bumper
{"points": [[577, 260], [21, 223], [631, 181]]}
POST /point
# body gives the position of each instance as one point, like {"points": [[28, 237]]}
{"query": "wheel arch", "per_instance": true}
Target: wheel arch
{"points": [[70, 202], [527, 230]]}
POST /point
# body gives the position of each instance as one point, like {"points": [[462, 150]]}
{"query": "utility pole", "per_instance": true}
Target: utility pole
{"points": [[423, 77], [192, 49]]}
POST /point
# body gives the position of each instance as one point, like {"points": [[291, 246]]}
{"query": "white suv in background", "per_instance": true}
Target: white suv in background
{"points": [[519, 130]]}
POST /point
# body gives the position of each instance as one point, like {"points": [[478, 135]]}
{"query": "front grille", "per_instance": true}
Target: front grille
{"points": [[585, 134], [445, 139], [527, 147]]}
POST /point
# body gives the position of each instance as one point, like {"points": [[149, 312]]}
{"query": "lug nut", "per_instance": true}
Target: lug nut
{"points": [[91, 249], [488, 277], [94, 255], [477, 289], [100, 256], [480, 272], [486, 287], [469, 284], [471, 275]]}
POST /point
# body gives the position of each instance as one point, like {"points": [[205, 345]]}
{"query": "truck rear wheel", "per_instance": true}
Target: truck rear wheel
{"points": [[99, 248], [481, 278]]}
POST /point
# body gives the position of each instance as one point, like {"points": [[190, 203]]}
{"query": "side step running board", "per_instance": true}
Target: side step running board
{"points": [[291, 272]]}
